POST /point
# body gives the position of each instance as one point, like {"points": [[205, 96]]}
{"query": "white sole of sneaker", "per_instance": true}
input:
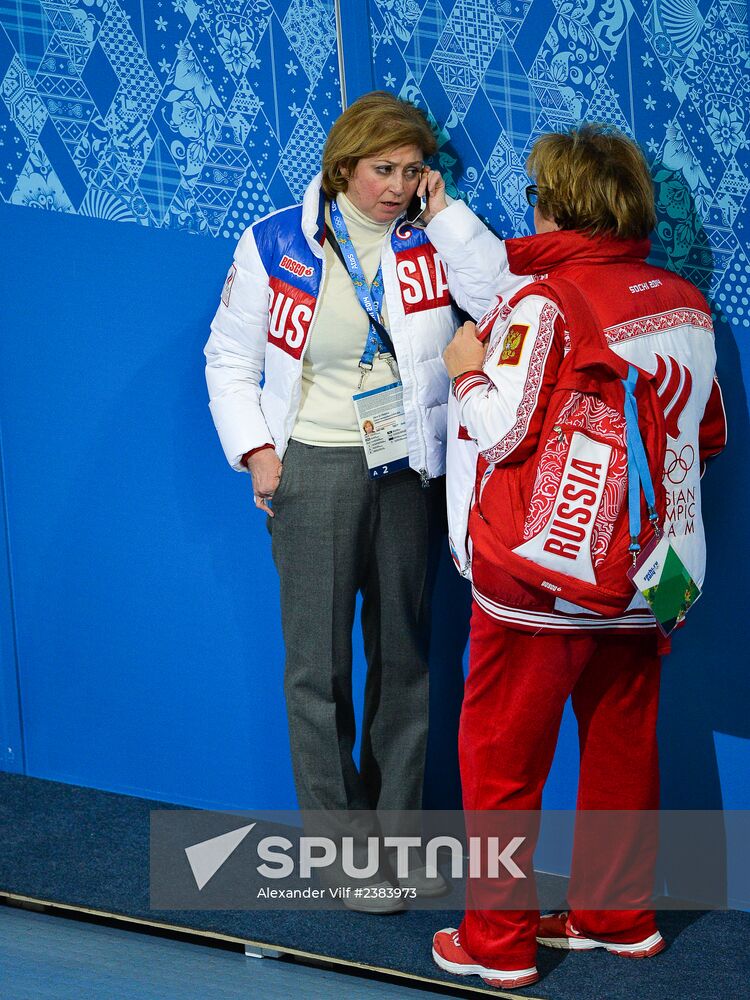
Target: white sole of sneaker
{"points": [[568, 944], [509, 984], [493, 977], [642, 949]]}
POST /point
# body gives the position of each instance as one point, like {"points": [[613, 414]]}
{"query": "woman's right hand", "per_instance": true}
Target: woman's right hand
{"points": [[265, 470], [432, 184]]}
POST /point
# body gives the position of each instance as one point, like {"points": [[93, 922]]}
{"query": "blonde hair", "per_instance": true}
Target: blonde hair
{"points": [[596, 179], [375, 123]]}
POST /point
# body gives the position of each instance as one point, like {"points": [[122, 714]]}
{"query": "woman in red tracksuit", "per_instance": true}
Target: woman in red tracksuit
{"points": [[593, 210]]}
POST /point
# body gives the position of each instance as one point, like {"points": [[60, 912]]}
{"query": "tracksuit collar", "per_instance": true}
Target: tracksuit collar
{"points": [[543, 252]]}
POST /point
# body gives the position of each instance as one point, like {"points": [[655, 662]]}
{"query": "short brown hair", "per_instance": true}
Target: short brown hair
{"points": [[375, 123], [595, 179]]}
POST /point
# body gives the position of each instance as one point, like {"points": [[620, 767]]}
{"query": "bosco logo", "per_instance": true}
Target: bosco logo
{"points": [[290, 312], [424, 282], [294, 266]]}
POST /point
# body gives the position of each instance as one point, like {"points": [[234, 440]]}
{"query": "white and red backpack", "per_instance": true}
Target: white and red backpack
{"points": [[556, 525]]}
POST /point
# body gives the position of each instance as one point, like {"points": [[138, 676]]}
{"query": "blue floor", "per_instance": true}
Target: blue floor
{"points": [[44, 957], [90, 849]]}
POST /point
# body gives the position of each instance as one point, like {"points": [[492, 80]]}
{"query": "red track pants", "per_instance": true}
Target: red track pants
{"points": [[513, 703]]}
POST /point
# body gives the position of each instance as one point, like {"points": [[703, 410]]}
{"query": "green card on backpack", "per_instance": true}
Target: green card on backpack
{"points": [[663, 579]]}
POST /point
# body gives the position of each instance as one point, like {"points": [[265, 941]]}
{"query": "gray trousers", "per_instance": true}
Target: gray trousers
{"points": [[336, 533]]}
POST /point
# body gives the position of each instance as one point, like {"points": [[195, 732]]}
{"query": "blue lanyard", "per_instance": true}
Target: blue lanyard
{"points": [[639, 475], [371, 299]]}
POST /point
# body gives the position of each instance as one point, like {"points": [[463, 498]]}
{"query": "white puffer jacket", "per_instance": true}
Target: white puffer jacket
{"points": [[267, 313]]}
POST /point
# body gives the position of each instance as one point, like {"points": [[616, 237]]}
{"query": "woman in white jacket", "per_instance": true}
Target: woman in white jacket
{"points": [[325, 301]]}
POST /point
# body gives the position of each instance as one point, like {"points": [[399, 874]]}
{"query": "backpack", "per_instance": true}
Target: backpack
{"points": [[556, 525]]}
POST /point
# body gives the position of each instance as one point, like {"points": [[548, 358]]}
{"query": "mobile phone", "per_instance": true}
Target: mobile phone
{"points": [[416, 207]]}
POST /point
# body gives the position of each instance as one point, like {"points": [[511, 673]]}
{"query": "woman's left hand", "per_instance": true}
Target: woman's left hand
{"points": [[464, 353], [433, 185]]}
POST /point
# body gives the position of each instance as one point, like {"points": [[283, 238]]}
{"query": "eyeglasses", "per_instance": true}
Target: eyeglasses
{"points": [[532, 194]]}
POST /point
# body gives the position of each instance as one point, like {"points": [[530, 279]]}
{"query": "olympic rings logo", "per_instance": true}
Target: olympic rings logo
{"points": [[676, 467]]}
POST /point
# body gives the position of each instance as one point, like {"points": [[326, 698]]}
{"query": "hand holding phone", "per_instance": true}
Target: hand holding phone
{"points": [[431, 192]]}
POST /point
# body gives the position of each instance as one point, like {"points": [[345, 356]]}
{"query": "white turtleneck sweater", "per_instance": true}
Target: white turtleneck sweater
{"points": [[330, 369]]}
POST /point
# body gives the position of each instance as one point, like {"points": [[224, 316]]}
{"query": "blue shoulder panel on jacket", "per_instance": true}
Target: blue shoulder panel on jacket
{"points": [[285, 252], [284, 225]]}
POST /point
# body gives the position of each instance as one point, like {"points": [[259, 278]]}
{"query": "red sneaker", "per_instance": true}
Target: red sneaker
{"points": [[556, 931], [450, 956]]}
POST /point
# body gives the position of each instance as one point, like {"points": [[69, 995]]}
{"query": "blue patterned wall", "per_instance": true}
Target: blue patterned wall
{"points": [[672, 73], [168, 113], [205, 115]]}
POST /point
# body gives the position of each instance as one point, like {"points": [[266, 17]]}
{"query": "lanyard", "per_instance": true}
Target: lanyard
{"points": [[371, 299], [639, 476]]}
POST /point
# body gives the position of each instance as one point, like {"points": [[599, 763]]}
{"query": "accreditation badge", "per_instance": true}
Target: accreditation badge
{"points": [[663, 579], [382, 426]]}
